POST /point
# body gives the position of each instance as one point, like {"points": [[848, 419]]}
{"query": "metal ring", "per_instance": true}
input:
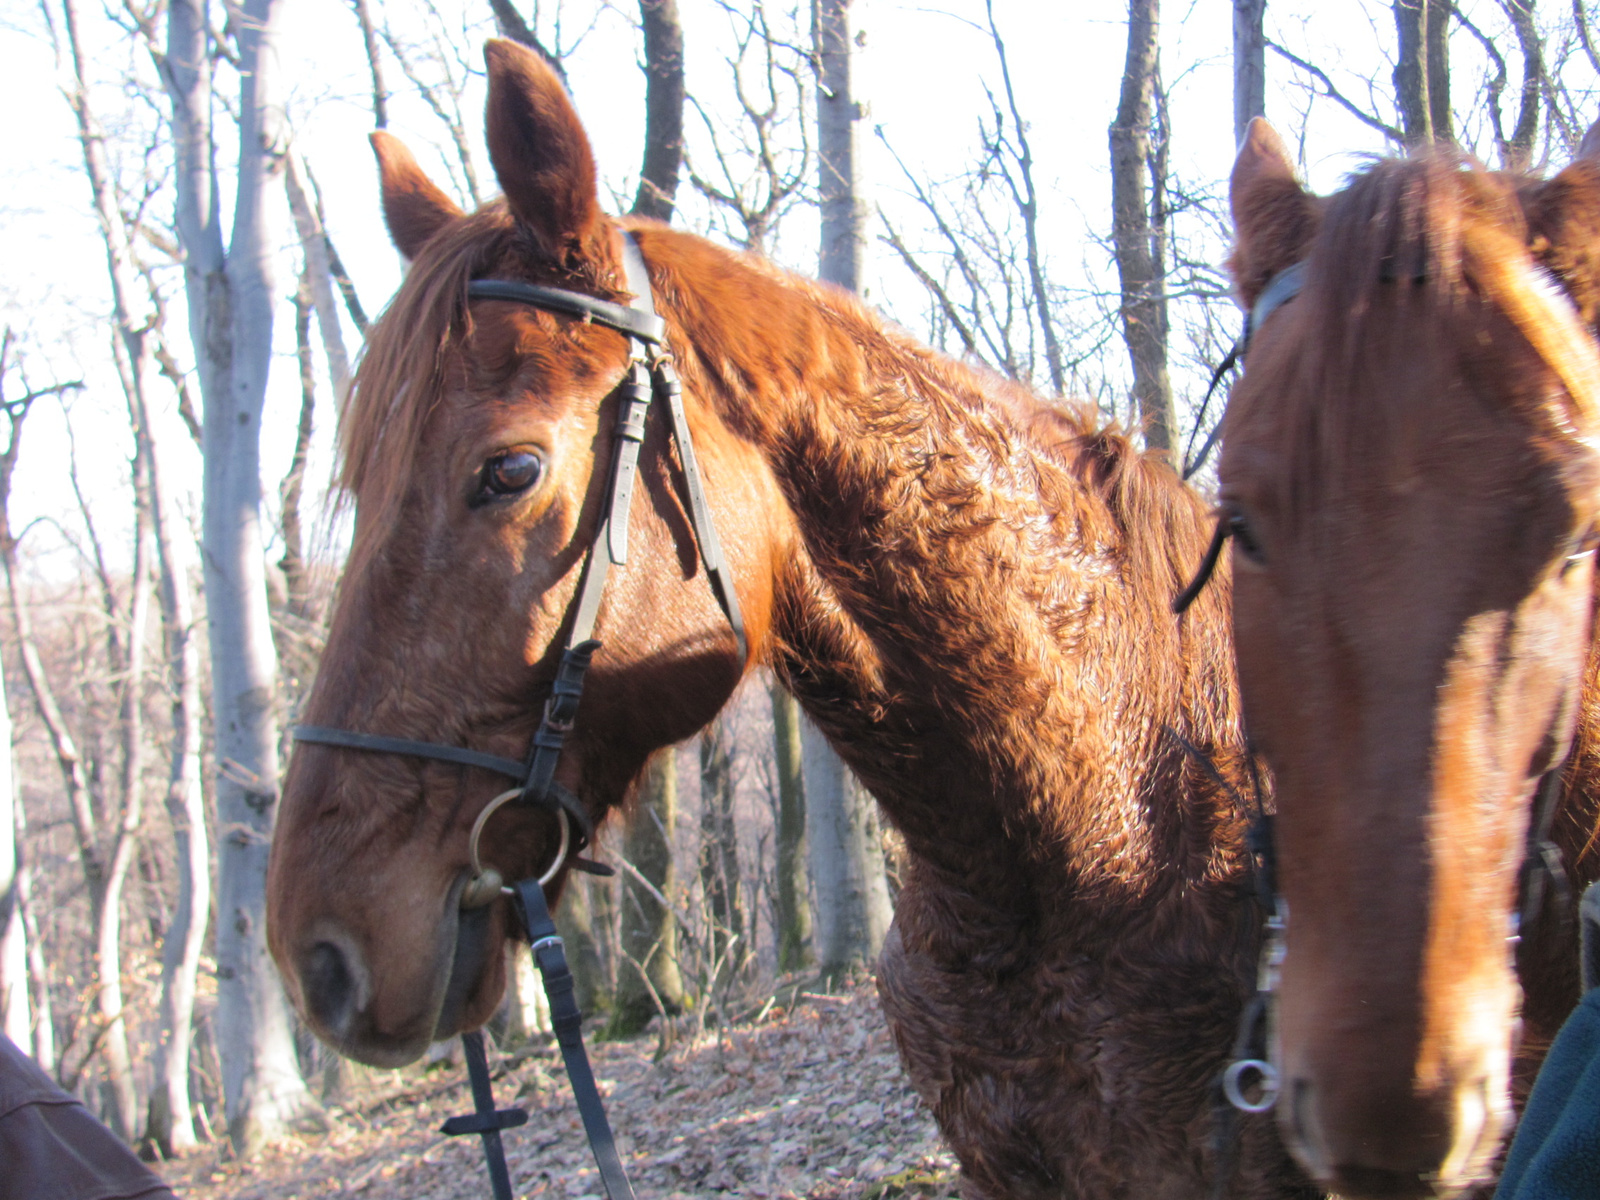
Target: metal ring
{"points": [[1269, 1084], [491, 808]]}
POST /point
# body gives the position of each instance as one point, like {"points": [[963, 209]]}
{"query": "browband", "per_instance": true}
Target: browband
{"points": [[635, 322]]}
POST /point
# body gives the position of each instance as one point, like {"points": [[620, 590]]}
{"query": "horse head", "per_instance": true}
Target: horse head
{"points": [[1410, 475], [476, 450]]}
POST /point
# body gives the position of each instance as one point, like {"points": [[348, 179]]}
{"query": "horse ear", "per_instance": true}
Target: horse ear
{"points": [[1564, 227], [541, 155], [413, 208], [1273, 217]]}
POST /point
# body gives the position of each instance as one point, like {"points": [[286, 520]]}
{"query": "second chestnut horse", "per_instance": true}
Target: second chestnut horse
{"points": [[1412, 480]]}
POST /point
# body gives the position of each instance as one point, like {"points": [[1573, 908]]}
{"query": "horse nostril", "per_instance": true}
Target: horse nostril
{"points": [[330, 987]]}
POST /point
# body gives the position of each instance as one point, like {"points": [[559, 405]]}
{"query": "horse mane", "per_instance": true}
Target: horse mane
{"points": [[1407, 243], [403, 374]]}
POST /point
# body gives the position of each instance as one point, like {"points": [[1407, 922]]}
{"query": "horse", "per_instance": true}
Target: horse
{"points": [[966, 588], [1411, 482]]}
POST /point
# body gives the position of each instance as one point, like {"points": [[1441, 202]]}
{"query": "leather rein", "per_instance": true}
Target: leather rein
{"points": [[650, 376]]}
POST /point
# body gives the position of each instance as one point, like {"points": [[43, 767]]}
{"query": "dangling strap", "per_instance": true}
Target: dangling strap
{"points": [[486, 1121], [567, 1022], [668, 388]]}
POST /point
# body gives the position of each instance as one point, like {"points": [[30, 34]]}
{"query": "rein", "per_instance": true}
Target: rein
{"points": [[650, 376]]}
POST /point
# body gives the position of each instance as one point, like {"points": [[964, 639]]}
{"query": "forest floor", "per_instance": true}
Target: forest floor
{"points": [[808, 1102]]}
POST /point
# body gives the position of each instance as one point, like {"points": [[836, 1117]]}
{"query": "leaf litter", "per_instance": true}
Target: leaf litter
{"points": [[807, 1103]]}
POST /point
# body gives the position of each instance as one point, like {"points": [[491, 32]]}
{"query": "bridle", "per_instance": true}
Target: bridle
{"points": [[650, 376], [1250, 1083]]}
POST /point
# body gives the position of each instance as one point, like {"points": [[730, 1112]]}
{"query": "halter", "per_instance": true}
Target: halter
{"points": [[650, 376]]}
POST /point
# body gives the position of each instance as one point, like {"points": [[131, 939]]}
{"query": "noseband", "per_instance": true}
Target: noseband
{"points": [[650, 376]]}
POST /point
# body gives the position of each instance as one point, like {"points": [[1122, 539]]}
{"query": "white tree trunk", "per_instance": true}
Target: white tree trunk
{"points": [[171, 1121], [839, 120], [314, 245], [1249, 65], [848, 884], [845, 846], [230, 311], [14, 1007]]}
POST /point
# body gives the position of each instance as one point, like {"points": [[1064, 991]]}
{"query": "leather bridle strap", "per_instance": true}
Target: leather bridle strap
{"points": [[1281, 288]]}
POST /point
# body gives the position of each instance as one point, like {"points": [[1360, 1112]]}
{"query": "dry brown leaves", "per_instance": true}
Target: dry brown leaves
{"points": [[809, 1103]]}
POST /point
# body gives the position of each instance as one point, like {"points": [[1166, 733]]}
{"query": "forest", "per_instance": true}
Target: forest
{"points": [[194, 251]]}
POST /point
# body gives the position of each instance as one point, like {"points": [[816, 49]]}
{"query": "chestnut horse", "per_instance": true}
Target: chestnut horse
{"points": [[966, 589], [1410, 474]]}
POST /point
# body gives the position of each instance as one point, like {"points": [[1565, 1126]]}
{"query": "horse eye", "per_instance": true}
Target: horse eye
{"points": [[510, 474], [1244, 538], [1582, 549]]}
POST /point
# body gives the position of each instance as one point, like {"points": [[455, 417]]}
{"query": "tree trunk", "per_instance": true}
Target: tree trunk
{"points": [[663, 109], [852, 897], [1135, 238], [44, 1027], [648, 979], [720, 875], [316, 248], [15, 1020], [1439, 70], [1516, 152], [839, 118], [170, 1123], [1422, 70], [575, 922], [369, 39], [1249, 65], [231, 306], [793, 914], [848, 882]]}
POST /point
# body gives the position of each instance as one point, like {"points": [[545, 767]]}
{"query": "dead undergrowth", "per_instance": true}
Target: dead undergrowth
{"points": [[808, 1102]]}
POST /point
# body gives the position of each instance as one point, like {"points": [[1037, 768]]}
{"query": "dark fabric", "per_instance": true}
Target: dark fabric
{"points": [[52, 1149], [1556, 1153]]}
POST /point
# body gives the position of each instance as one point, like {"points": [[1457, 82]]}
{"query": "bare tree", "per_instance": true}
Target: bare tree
{"points": [[649, 980], [849, 887], [231, 301], [663, 109], [791, 914], [1136, 234], [1422, 70], [1249, 64]]}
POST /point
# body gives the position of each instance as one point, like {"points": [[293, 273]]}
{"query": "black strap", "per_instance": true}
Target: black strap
{"points": [[371, 742], [632, 320], [1543, 869], [486, 1121], [1208, 564], [567, 1022]]}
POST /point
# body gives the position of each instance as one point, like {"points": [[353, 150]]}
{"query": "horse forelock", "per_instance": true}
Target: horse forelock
{"points": [[1410, 246], [403, 371]]}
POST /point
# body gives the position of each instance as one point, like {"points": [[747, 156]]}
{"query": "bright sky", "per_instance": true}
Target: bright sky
{"points": [[922, 72]]}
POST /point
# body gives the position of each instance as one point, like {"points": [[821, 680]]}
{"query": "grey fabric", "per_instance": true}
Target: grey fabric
{"points": [[52, 1149]]}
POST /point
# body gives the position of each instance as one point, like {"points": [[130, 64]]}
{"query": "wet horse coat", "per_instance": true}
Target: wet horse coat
{"points": [[966, 589]]}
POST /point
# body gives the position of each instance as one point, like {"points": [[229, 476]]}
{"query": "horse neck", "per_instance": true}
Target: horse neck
{"points": [[966, 616]]}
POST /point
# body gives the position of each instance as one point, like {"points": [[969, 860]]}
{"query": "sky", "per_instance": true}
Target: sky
{"points": [[922, 70]]}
